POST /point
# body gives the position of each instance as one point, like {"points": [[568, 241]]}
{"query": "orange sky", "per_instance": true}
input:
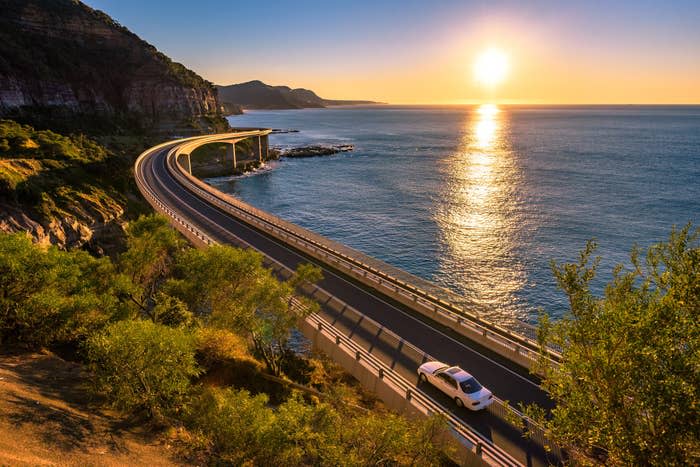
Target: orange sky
{"points": [[410, 51]]}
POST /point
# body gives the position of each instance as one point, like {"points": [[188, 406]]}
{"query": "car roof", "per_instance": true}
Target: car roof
{"points": [[458, 373]]}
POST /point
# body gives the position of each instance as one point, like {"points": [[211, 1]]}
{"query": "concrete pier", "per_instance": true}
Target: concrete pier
{"points": [[231, 153]]}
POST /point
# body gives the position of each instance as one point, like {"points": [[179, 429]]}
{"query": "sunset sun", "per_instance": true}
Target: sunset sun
{"points": [[491, 67]]}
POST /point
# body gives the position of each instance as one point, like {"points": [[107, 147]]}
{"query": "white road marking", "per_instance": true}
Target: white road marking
{"points": [[275, 241]]}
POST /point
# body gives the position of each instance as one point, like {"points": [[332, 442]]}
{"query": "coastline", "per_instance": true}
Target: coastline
{"points": [[266, 167]]}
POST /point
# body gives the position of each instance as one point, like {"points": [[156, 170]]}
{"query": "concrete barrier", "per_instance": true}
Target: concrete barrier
{"points": [[396, 398], [394, 390], [516, 348]]}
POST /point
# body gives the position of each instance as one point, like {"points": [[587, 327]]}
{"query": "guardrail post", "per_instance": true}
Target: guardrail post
{"points": [[479, 449], [337, 340], [320, 326], [409, 394], [380, 373], [358, 355]]}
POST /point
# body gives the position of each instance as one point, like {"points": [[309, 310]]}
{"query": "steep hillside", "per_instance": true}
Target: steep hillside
{"points": [[67, 191], [49, 417], [64, 66], [258, 95]]}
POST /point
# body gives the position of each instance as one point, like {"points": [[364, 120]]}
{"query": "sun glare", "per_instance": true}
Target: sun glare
{"points": [[491, 67]]}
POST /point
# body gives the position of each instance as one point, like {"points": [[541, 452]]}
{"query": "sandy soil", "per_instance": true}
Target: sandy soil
{"points": [[47, 417]]}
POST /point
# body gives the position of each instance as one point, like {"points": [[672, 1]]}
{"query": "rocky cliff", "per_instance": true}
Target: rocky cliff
{"points": [[64, 65], [69, 191]]}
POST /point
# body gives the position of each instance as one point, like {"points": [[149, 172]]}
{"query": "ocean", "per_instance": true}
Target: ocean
{"points": [[480, 200]]}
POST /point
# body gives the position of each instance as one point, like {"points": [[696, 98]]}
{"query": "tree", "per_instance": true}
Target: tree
{"points": [[230, 288], [244, 430], [141, 365], [151, 247], [235, 423], [627, 390], [49, 296], [276, 317]]}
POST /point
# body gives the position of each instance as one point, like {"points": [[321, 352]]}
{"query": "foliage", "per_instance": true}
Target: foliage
{"points": [[50, 176], [627, 390], [23, 141], [142, 365], [148, 360], [215, 346], [231, 289], [51, 296], [148, 261], [243, 429]]}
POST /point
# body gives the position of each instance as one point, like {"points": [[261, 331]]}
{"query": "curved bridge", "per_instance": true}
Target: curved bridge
{"points": [[388, 320]]}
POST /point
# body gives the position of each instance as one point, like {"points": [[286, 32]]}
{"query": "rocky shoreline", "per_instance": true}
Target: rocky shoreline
{"points": [[315, 150], [276, 153]]}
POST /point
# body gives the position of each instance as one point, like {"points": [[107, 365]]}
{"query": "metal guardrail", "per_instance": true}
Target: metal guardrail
{"points": [[303, 239], [498, 408], [479, 445]]}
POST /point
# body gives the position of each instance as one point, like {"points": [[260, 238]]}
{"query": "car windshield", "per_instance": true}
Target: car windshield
{"points": [[470, 385]]}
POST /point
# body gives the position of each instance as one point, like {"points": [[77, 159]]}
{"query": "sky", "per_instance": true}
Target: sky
{"points": [[423, 52]]}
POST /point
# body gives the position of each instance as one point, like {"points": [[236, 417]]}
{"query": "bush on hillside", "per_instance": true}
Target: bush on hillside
{"points": [[638, 345], [140, 365], [243, 430], [216, 346], [51, 296], [23, 141]]}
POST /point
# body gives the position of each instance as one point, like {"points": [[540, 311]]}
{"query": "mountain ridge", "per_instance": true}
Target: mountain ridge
{"points": [[256, 94]]}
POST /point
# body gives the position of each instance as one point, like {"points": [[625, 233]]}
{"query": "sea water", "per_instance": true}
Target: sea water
{"points": [[480, 200]]}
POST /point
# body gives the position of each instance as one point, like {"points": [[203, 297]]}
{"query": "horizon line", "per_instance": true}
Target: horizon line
{"points": [[515, 104]]}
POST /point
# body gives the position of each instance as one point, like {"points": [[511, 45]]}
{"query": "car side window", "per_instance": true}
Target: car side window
{"points": [[447, 379]]}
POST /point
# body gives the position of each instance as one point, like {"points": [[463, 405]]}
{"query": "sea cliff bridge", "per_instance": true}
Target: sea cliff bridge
{"points": [[377, 321]]}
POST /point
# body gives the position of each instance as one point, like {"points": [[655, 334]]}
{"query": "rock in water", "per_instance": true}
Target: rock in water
{"points": [[315, 150]]}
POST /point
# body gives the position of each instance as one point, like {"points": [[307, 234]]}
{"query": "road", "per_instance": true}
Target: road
{"points": [[502, 377]]}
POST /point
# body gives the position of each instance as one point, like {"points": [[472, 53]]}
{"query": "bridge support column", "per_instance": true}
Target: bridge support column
{"points": [[189, 164], [260, 158], [231, 154], [266, 147]]}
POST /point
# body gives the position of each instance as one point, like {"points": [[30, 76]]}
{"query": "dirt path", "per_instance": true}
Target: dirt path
{"points": [[47, 417]]}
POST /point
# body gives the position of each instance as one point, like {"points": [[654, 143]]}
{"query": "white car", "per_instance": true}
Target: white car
{"points": [[462, 387]]}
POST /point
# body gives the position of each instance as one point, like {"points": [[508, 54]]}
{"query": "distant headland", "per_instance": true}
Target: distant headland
{"points": [[258, 95]]}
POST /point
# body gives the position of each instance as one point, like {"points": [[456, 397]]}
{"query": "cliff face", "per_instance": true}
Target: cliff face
{"points": [[60, 59]]}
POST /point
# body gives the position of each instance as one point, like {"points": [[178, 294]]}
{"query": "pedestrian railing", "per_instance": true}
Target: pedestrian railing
{"points": [[522, 349], [422, 402], [469, 437]]}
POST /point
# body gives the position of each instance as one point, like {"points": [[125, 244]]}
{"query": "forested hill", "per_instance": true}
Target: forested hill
{"points": [[64, 65], [258, 95]]}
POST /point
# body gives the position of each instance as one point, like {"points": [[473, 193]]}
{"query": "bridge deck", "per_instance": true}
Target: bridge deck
{"points": [[506, 383]]}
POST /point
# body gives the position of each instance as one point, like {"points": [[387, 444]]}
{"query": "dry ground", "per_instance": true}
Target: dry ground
{"points": [[48, 417]]}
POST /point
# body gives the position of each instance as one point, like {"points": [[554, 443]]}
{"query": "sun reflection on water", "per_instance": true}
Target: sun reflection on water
{"points": [[477, 215]]}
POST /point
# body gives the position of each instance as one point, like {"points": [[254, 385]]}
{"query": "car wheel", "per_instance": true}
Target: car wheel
{"points": [[459, 402], [423, 378]]}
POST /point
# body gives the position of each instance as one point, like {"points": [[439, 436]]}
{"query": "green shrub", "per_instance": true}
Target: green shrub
{"points": [[51, 296], [243, 430], [23, 141], [140, 365], [215, 346], [235, 423]]}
